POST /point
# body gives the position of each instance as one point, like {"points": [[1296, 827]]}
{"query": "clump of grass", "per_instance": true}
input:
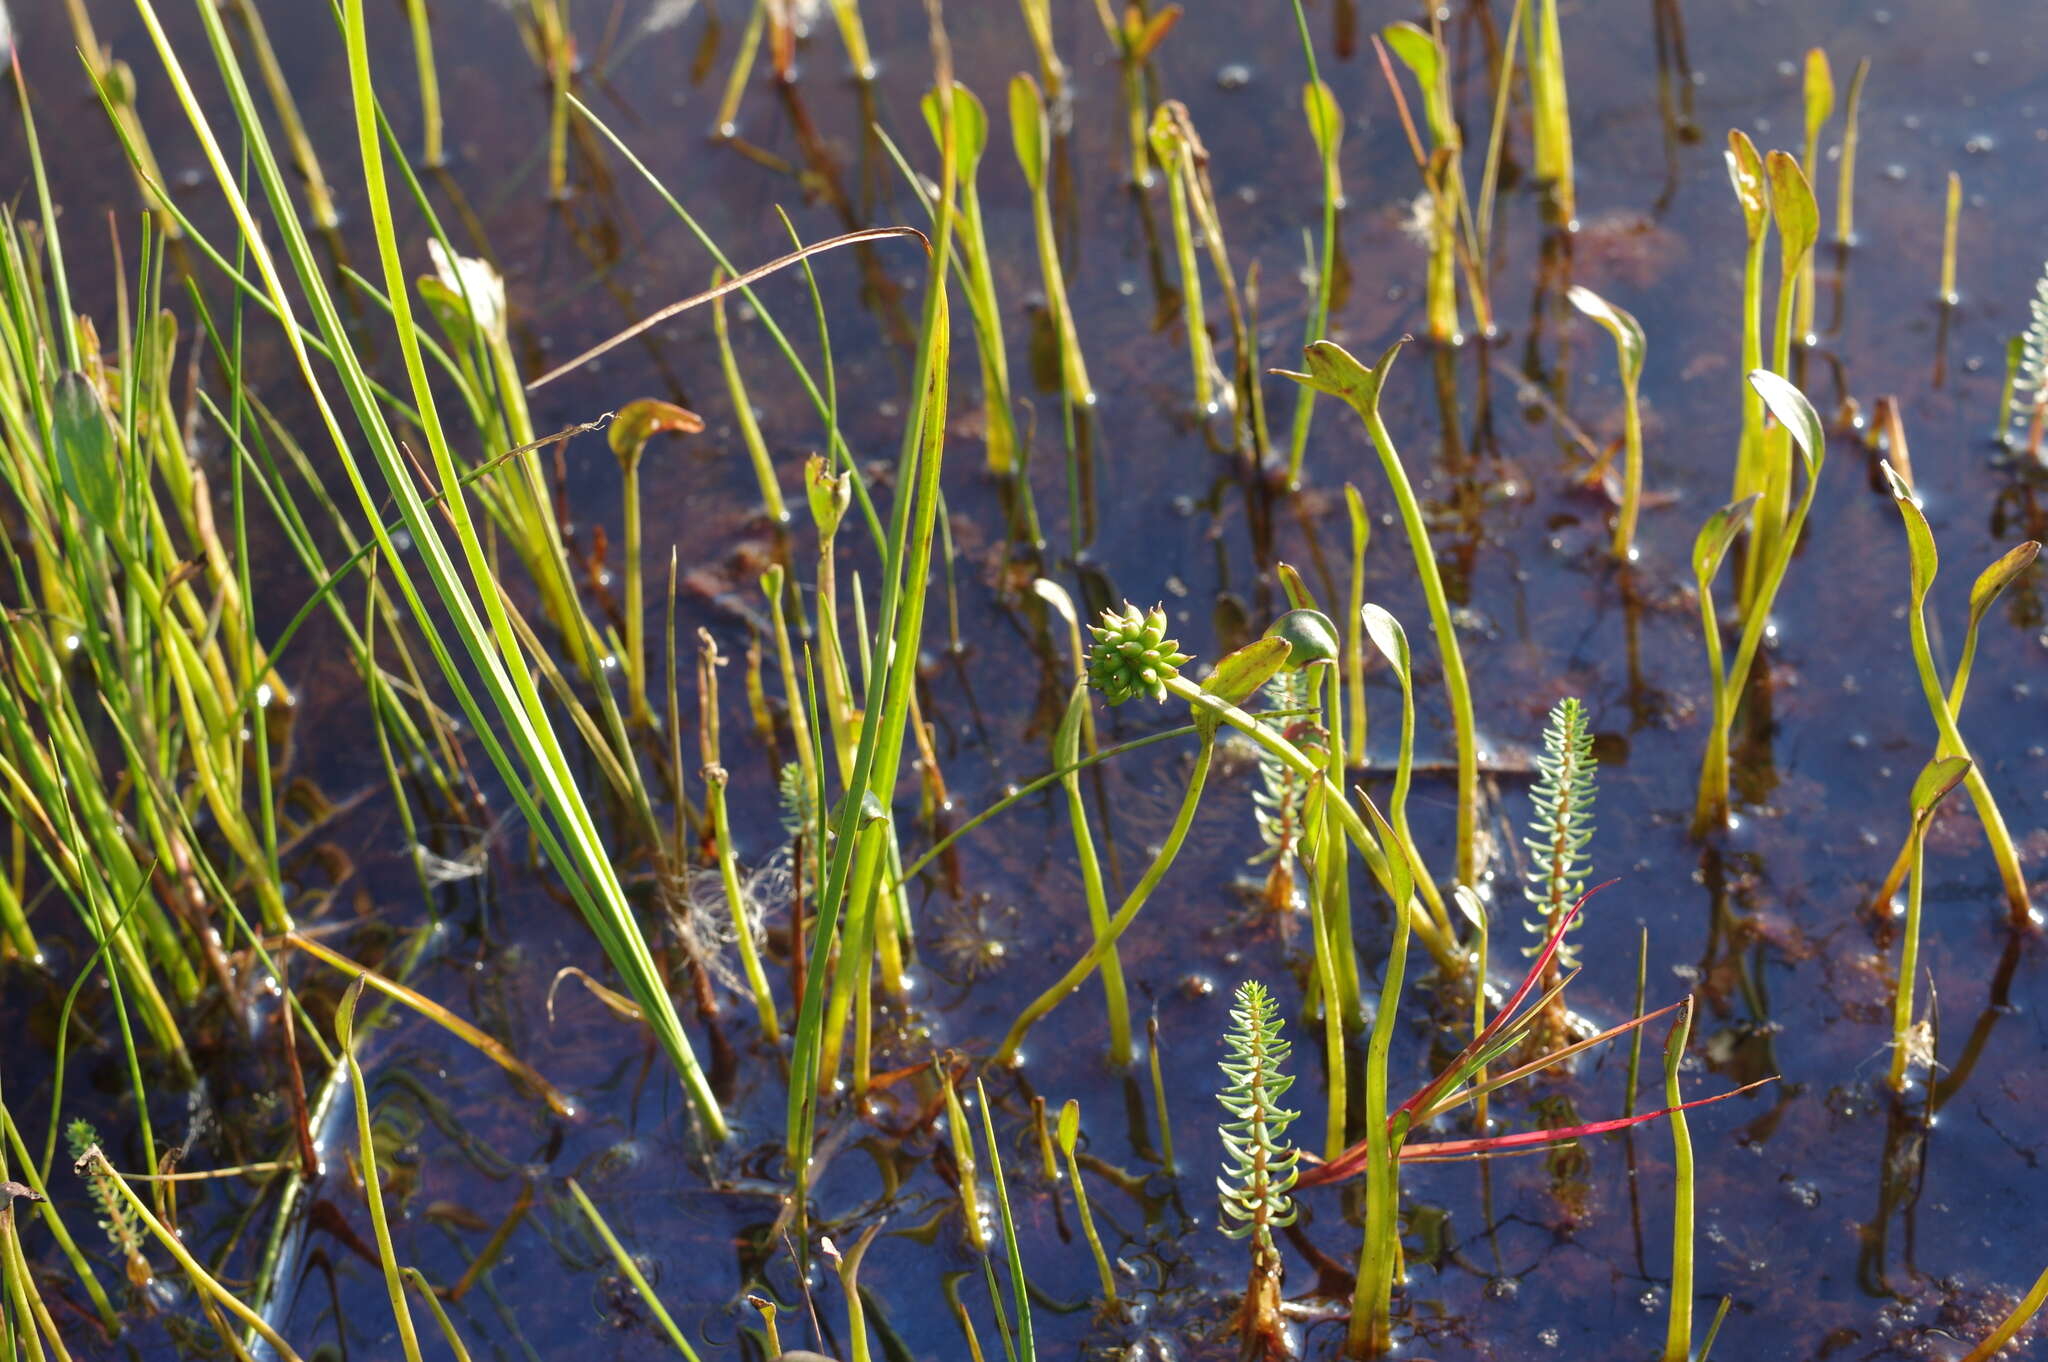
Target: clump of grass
{"points": [[1259, 1161]]}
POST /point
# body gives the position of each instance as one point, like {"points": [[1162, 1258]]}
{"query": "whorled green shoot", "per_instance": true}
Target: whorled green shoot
{"points": [[1280, 804], [93, 1164], [1630, 346], [1332, 370], [1924, 563], [2008, 389], [1933, 785], [1068, 1134], [1259, 1161], [2028, 402], [1818, 105], [1561, 825]]}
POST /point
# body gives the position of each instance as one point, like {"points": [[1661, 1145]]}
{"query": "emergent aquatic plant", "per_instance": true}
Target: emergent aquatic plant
{"points": [[1924, 563], [1629, 348], [1935, 781], [2029, 400], [1259, 1161], [1561, 823]]}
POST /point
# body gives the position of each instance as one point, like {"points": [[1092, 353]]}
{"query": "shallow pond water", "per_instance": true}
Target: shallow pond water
{"points": [[1838, 1225]]}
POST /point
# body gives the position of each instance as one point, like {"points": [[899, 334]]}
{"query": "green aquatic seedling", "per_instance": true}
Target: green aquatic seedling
{"points": [[1260, 1164], [1819, 105], [1137, 36], [2029, 400], [1935, 781], [1551, 113], [1332, 369], [1801, 426], [636, 424], [1924, 563], [1561, 824], [1629, 346], [1069, 1134]]}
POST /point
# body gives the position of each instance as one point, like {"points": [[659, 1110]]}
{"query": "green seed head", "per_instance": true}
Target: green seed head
{"points": [[1310, 637], [1132, 655]]}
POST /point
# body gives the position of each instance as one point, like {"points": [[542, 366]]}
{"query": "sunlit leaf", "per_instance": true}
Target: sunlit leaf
{"points": [[1387, 635], [1622, 325], [1746, 174], [1028, 129], [1796, 414], [1792, 204], [639, 422], [1820, 92], [1717, 536], [1934, 782]]}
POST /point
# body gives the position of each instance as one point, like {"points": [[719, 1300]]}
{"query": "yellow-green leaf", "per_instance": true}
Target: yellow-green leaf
{"points": [[1820, 92], [1028, 129], [1935, 781], [1793, 206], [1626, 330], [1796, 414], [1746, 174], [1325, 119], [639, 422], [1717, 536]]}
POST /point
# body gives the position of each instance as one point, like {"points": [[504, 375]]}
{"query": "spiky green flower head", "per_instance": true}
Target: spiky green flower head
{"points": [[1310, 638], [1132, 655]]}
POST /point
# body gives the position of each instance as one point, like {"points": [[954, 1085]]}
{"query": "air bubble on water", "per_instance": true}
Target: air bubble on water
{"points": [[1549, 1338], [1234, 76], [1804, 1192], [1979, 143], [1895, 172]]}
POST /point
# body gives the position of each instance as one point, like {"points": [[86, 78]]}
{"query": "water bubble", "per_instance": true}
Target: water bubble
{"points": [[1234, 76], [1550, 1337], [1804, 1192], [1895, 172], [1979, 143]]}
